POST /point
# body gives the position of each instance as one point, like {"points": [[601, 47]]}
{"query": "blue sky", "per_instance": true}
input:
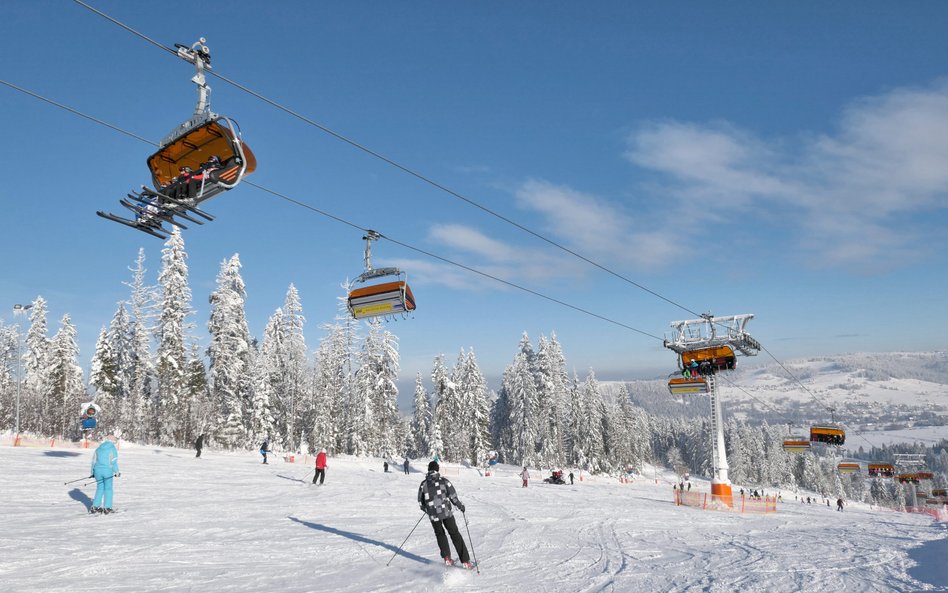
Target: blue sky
{"points": [[781, 159]]}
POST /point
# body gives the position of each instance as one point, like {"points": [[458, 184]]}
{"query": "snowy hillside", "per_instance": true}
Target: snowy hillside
{"points": [[227, 523], [869, 391]]}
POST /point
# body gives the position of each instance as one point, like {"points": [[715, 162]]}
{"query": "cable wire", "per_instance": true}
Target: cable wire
{"points": [[346, 222], [404, 168]]}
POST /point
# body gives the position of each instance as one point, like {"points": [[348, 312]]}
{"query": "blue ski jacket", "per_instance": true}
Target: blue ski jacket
{"points": [[105, 458]]}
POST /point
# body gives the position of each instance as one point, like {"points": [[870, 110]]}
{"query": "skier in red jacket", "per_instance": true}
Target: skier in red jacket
{"points": [[320, 467]]}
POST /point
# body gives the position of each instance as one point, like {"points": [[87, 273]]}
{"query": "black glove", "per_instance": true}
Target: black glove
{"points": [[461, 507], [422, 507], [118, 474], [91, 475]]}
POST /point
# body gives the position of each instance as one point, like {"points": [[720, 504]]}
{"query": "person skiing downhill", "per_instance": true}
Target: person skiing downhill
{"points": [[265, 448], [525, 476], [320, 467], [199, 444], [104, 467], [435, 496]]}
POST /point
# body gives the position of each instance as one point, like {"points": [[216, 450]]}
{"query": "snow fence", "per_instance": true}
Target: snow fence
{"points": [[735, 504]]}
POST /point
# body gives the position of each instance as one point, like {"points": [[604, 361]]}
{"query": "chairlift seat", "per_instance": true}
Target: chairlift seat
{"points": [[678, 384], [388, 298]]}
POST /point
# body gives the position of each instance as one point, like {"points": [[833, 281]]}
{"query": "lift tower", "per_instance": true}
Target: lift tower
{"points": [[706, 347]]}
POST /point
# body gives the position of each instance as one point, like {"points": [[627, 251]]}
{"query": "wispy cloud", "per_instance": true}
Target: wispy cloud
{"points": [[854, 196]]}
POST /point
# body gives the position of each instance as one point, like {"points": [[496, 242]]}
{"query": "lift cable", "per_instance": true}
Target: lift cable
{"points": [[352, 224], [404, 168]]}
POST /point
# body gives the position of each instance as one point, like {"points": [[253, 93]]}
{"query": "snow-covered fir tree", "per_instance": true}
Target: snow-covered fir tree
{"points": [[420, 440], [377, 380], [519, 382], [9, 366], [104, 380], [140, 361], [475, 409], [171, 407], [260, 422], [230, 354], [35, 369], [297, 384], [65, 386], [120, 344]]}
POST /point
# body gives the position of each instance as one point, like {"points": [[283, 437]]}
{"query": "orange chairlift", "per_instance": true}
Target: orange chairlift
{"points": [[830, 434], [704, 350], [914, 477], [198, 160], [848, 467], [382, 299], [881, 470], [796, 443]]}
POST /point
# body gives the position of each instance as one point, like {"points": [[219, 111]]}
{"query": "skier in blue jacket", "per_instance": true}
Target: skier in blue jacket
{"points": [[104, 467]]}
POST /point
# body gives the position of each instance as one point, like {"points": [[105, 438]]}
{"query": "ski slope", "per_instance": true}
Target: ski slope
{"points": [[227, 523]]}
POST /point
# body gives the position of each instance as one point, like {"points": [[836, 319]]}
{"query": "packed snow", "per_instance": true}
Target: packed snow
{"points": [[227, 523]]}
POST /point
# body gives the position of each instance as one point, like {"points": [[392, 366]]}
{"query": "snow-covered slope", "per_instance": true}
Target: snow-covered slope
{"points": [[226, 523]]}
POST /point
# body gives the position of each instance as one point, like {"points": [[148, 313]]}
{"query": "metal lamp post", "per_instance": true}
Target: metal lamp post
{"points": [[18, 309]]}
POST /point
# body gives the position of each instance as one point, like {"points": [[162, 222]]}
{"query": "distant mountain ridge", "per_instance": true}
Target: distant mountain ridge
{"points": [[864, 389]]}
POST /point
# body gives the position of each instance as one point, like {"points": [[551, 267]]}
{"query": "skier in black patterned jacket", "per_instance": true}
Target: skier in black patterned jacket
{"points": [[435, 495]]}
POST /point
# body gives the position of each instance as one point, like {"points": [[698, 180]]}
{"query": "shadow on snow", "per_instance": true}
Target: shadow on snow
{"points": [[362, 539]]}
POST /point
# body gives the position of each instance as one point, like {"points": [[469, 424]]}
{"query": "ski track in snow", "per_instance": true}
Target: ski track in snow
{"points": [[227, 523]]}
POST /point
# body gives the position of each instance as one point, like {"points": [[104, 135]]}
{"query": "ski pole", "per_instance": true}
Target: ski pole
{"points": [[79, 480], [477, 567], [406, 539]]}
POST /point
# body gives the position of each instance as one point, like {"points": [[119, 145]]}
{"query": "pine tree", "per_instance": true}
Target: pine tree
{"points": [[34, 416], [120, 343], [260, 423], [230, 354], [475, 410], [104, 380], [420, 421], [65, 381], [170, 406], [296, 373], [140, 363], [520, 384]]}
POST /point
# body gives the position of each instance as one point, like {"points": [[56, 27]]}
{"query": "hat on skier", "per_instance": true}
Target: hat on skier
{"points": [[433, 466]]}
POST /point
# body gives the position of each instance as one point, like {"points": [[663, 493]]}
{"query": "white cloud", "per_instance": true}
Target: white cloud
{"points": [[855, 196]]}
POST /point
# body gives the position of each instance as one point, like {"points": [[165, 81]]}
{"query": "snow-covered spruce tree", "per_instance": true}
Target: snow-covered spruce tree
{"points": [[575, 449], [204, 411], [273, 361], [451, 414], [66, 390], [420, 444], [595, 423], [140, 363], [230, 354], [362, 428], [475, 410], [520, 384], [350, 412], [9, 340], [104, 381], [378, 374], [551, 388], [171, 407], [120, 343], [323, 430], [33, 414], [297, 384], [260, 422], [445, 406], [500, 431]]}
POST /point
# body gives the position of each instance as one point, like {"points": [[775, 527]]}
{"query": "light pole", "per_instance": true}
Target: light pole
{"points": [[17, 310]]}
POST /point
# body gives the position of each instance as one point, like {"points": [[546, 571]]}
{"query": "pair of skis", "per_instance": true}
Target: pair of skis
{"points": [[152, 209]]}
